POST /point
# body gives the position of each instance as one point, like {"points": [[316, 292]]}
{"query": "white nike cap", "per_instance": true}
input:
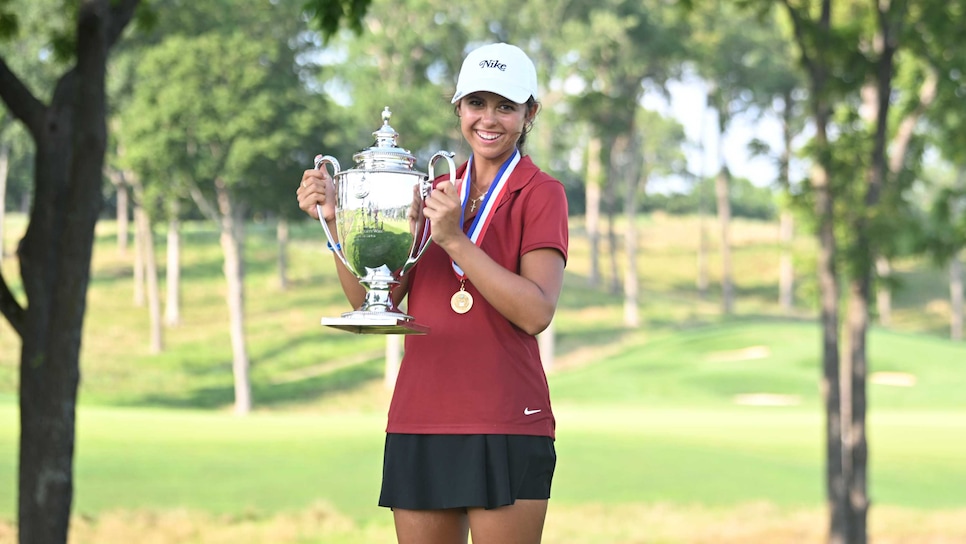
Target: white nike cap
{"points": [[498, 68]]}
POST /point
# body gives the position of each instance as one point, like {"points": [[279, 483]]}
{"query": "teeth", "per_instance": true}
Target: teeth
{"points": [[488, 135]]}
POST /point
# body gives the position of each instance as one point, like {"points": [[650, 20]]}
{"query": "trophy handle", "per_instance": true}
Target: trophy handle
{"points": [[320, 162], [425, 186]]}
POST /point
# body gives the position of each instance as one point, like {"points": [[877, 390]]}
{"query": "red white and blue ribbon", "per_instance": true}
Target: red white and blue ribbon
{"points": [[490, 202]]}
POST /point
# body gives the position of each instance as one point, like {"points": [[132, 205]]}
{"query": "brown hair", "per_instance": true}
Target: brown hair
{"points": [[528, 122]]}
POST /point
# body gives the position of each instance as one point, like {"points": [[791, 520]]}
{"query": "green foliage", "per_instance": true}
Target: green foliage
{"points": [[945, 226], [614, 48], [406, 60], [8, 20], [743, 62], [328, 14], [746, 200], [26, 52], [236, 114]]}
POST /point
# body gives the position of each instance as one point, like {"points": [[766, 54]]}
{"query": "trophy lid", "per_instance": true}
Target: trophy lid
{"points": [[384, 153]]}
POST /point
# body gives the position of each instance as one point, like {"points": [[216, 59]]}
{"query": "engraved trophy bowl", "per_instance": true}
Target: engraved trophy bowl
{"points": [[377, 238]]}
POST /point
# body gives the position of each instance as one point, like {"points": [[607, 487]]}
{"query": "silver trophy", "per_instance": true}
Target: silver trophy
{"points": [[376, 237]]}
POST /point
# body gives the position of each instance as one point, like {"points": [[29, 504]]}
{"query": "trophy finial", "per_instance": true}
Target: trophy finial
{"points": [[385, 154], [386, 136]]}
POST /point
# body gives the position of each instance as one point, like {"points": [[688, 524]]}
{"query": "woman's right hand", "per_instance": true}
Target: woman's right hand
{"points": [[317, 189]]}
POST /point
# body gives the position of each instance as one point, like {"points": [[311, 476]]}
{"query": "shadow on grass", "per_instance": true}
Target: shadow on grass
{"points": [[567, 342], [266, 395], [577, 293], [287, 369]]}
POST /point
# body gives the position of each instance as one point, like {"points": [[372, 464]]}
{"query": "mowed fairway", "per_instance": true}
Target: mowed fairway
{"points": [[689, 429]]}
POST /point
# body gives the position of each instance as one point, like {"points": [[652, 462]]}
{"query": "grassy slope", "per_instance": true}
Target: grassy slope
{"points": [[644, 416]]}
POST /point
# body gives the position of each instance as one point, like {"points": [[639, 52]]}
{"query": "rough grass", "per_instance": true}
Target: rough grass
{"points": [[590, 523]]}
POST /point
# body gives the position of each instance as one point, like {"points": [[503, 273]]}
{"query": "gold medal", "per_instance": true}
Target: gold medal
{"points": [[461, 302]]}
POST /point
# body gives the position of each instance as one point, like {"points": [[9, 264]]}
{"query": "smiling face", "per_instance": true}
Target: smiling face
{"points": [[492, 124]]}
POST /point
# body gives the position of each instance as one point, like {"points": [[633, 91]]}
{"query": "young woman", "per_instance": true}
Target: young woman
{"points": [[469, 441]]}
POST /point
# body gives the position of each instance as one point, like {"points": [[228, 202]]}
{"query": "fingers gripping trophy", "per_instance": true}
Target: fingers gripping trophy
{"points": [[381, 232]]}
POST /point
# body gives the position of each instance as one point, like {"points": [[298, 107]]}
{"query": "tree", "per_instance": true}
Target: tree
{"points": [[735, 57], [657, 150], [784, 86], [70, 136], [235, 104], [817, 41], [145, 234], [16, 155], [894, 28], [945, 237], [945, 131], [848, 53], [618, 50], [69, 133]]}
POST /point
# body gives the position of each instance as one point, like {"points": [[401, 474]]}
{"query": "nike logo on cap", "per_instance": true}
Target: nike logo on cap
{"points": [[529, 412]]}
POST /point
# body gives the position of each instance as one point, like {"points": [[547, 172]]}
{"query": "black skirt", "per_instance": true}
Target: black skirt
{"points": [[429, 472]]}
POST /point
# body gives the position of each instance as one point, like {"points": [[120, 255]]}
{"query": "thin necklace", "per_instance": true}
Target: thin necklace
{"points": [[477, 200]]}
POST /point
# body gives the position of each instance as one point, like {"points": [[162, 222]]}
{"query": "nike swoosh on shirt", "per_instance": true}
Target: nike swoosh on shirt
{"points": [[529, 412]]}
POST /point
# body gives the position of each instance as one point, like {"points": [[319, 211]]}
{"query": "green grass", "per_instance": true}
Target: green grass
{"points": [[647, 419], [215, 462], [159, 460], [711, 364]]}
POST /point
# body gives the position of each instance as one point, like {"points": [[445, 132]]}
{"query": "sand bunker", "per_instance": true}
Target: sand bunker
{"points": [[744, 354], [895, 379]]}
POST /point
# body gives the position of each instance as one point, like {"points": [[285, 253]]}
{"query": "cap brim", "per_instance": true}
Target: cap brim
{"points": [[517, 94]]}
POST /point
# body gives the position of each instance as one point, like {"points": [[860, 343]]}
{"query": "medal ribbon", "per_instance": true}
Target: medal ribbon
{"points": [[492, 199]]}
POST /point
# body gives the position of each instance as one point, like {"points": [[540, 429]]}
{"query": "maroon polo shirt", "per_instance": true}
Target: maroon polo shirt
{"points": [[477, 373]]}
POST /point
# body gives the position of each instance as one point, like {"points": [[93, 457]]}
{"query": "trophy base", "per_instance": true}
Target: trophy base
{"points": [[375, 323]]}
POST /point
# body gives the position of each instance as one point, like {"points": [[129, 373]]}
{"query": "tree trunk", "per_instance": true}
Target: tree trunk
{"points": [[172, 304], [632, 318], [722, 192], [855, 451], [4, 172], [701, 283], [829, 295], [633, 181], [545, 343], [956, 297], [615, 282], [883, 294], [146, 246], [592, 186], [55, 273], [393, 359], [813, 50], [786, 266], [863, 263], [232, 244], [281, 236], [70, 137], [831, 384], [138, 269], [610, 209], [121, 217]]}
